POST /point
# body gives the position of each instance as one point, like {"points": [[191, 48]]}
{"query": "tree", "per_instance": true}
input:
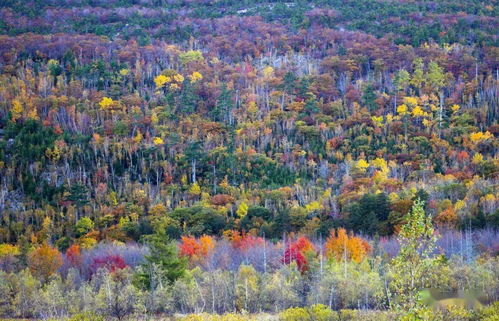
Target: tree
{"points": [[188, 98], [436, 79], [194, 153], [247, 288], [163, 265], [190, 56], [242, 210], [369, 214], [342, 247], [299, 251], [369, 97], [224, 106], [161, 80], [110, 263], [415, 267], [44, 261], [117, 297], [83, 226], [196, 249], [78, 194], [107, 103], [195, 76], [73, 256], [402, 79], [435, 76], [25, 294], [16, 111], [55, 69], [198, 220], [195, 189], [417, 78], [311, 107]]}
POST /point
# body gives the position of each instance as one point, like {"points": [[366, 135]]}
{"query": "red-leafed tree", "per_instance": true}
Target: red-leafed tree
{"points": [[108, 262], [299, 251], [242, 241]]}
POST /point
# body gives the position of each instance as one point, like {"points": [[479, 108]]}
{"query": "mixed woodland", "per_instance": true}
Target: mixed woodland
{"points": [[249, 160]]}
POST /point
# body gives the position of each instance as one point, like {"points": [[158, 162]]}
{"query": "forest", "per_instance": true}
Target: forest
{"points": [[249, 160]]}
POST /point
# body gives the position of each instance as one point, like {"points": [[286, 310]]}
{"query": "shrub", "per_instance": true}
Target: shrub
{"points": [[295, 314], [490, 313], [320, 312], [86, 317]]}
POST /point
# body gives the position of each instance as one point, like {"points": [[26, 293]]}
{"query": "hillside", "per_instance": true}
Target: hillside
{"points": [[221, 126]]}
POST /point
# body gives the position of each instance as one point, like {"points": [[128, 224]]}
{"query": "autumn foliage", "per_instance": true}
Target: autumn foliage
{"points": [[155, 133], [341, 245], [73, 255], [111, 263], [299, 251], [196, 249], [241, 240], [44, 261], [447, 218]]}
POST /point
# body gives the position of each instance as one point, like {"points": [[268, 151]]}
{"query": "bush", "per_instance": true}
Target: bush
{"points": [[490, 313], [86, 317], [348, 315], [214, 317], [318, 312], [295, 314]]}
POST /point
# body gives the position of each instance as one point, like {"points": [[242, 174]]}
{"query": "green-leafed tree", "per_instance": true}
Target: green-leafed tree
{"points": [[415, 267]]}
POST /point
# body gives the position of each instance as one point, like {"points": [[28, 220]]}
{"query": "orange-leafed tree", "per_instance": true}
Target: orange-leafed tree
{"points": [[188, 246], [341, 246], [44, 261], [447, 218], [242, 241], [73, 255], [196, 249], [206, 245]]}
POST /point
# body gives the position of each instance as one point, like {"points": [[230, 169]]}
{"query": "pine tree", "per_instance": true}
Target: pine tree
{"points": [[188, 98], [163, 265], [194, 153], [369, 98], [78, 194], [224, 106]]}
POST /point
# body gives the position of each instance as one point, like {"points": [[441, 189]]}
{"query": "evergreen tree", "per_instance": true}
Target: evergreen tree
{"points": [[163, 265], [78, 194], [193, 153], [369, 98], [224, 106], [370, 214], [188, 98], [288, 82], [311, 106]]}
